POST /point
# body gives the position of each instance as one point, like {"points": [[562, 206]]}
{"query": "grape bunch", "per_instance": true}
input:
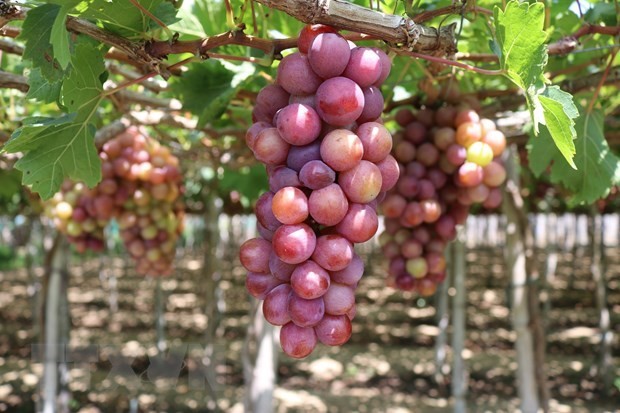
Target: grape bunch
{"points": [[140, 188], [327, 154], [449, 161]]}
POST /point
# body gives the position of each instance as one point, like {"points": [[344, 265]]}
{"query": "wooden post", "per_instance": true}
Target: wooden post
{"points": [[598, 273], [210, 280], [459, 372], [57, 265], [443, 321], [515, 252]]}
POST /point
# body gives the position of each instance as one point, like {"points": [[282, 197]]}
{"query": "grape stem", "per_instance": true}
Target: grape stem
{"points": [[448, 62]]}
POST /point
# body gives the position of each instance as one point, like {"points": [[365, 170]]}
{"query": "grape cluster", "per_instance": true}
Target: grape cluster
{"points": [[449, 161], [140, 187], [327, 154]]}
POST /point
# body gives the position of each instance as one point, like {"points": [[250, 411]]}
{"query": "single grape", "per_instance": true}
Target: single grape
{"points": [[298, 124], [334, 330], [339, 101], [316, 175], [254, 255], [297, 342], [306, 312], [309, 33], [328, 205], [333, 252], [295, 75], [275, 306], [294, 244], [309, 280], [329, 55], [270, 148], [339, 299], [290, 205], [361, 183], [376, 140], [359, 224], [351, 274], [364, 66], [341, 149], [373, 104]]}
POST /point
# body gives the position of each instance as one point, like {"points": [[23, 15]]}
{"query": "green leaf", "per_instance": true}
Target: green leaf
{"points": [[56, 148], [559, 112], [598, 168], [123, 17], [36, 34], [42, 89], [520, 46], [207, 88], [62, 151], [521, 41], [59, 37]]}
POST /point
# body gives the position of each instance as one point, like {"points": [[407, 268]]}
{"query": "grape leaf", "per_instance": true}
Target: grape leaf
{"points": [[123, 17], [207, 88], [59, 37], [36, 34], [598, 167], [521, 40], [56, 148], [559, 112], [42, 89], [520, 46]]}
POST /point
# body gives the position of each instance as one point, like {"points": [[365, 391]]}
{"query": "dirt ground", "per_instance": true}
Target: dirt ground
{"points": [[388, 365]]}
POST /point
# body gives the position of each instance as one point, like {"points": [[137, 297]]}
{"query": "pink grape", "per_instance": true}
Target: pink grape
{"points": [[281, 177], [306, 312], [294, 244], [404, 152], [470, 174], [298, 156], [393, 206], [494, 174], [362, 183], [359, 224], [309, 280], [254, 255], [376, 141], [297, 342], [309, 33], [386, 66], [415, 132], [270, 148], [339, 299], [328, 205], [373, 104], [316, 175], [295, 75], [329, 55], [264, 213], [275, 306], [290, 205], [351, 274], [341, 149], [456, 154], [390, 171], [333, 252], [280, 269], [364, 66], [334, 330], [270, 99], [259, 285], [298, 124], [340, 101]]}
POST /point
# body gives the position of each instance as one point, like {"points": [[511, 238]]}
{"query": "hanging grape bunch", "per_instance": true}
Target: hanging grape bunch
{"points": [[140, 188], [327, 154], [449, 161]]}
